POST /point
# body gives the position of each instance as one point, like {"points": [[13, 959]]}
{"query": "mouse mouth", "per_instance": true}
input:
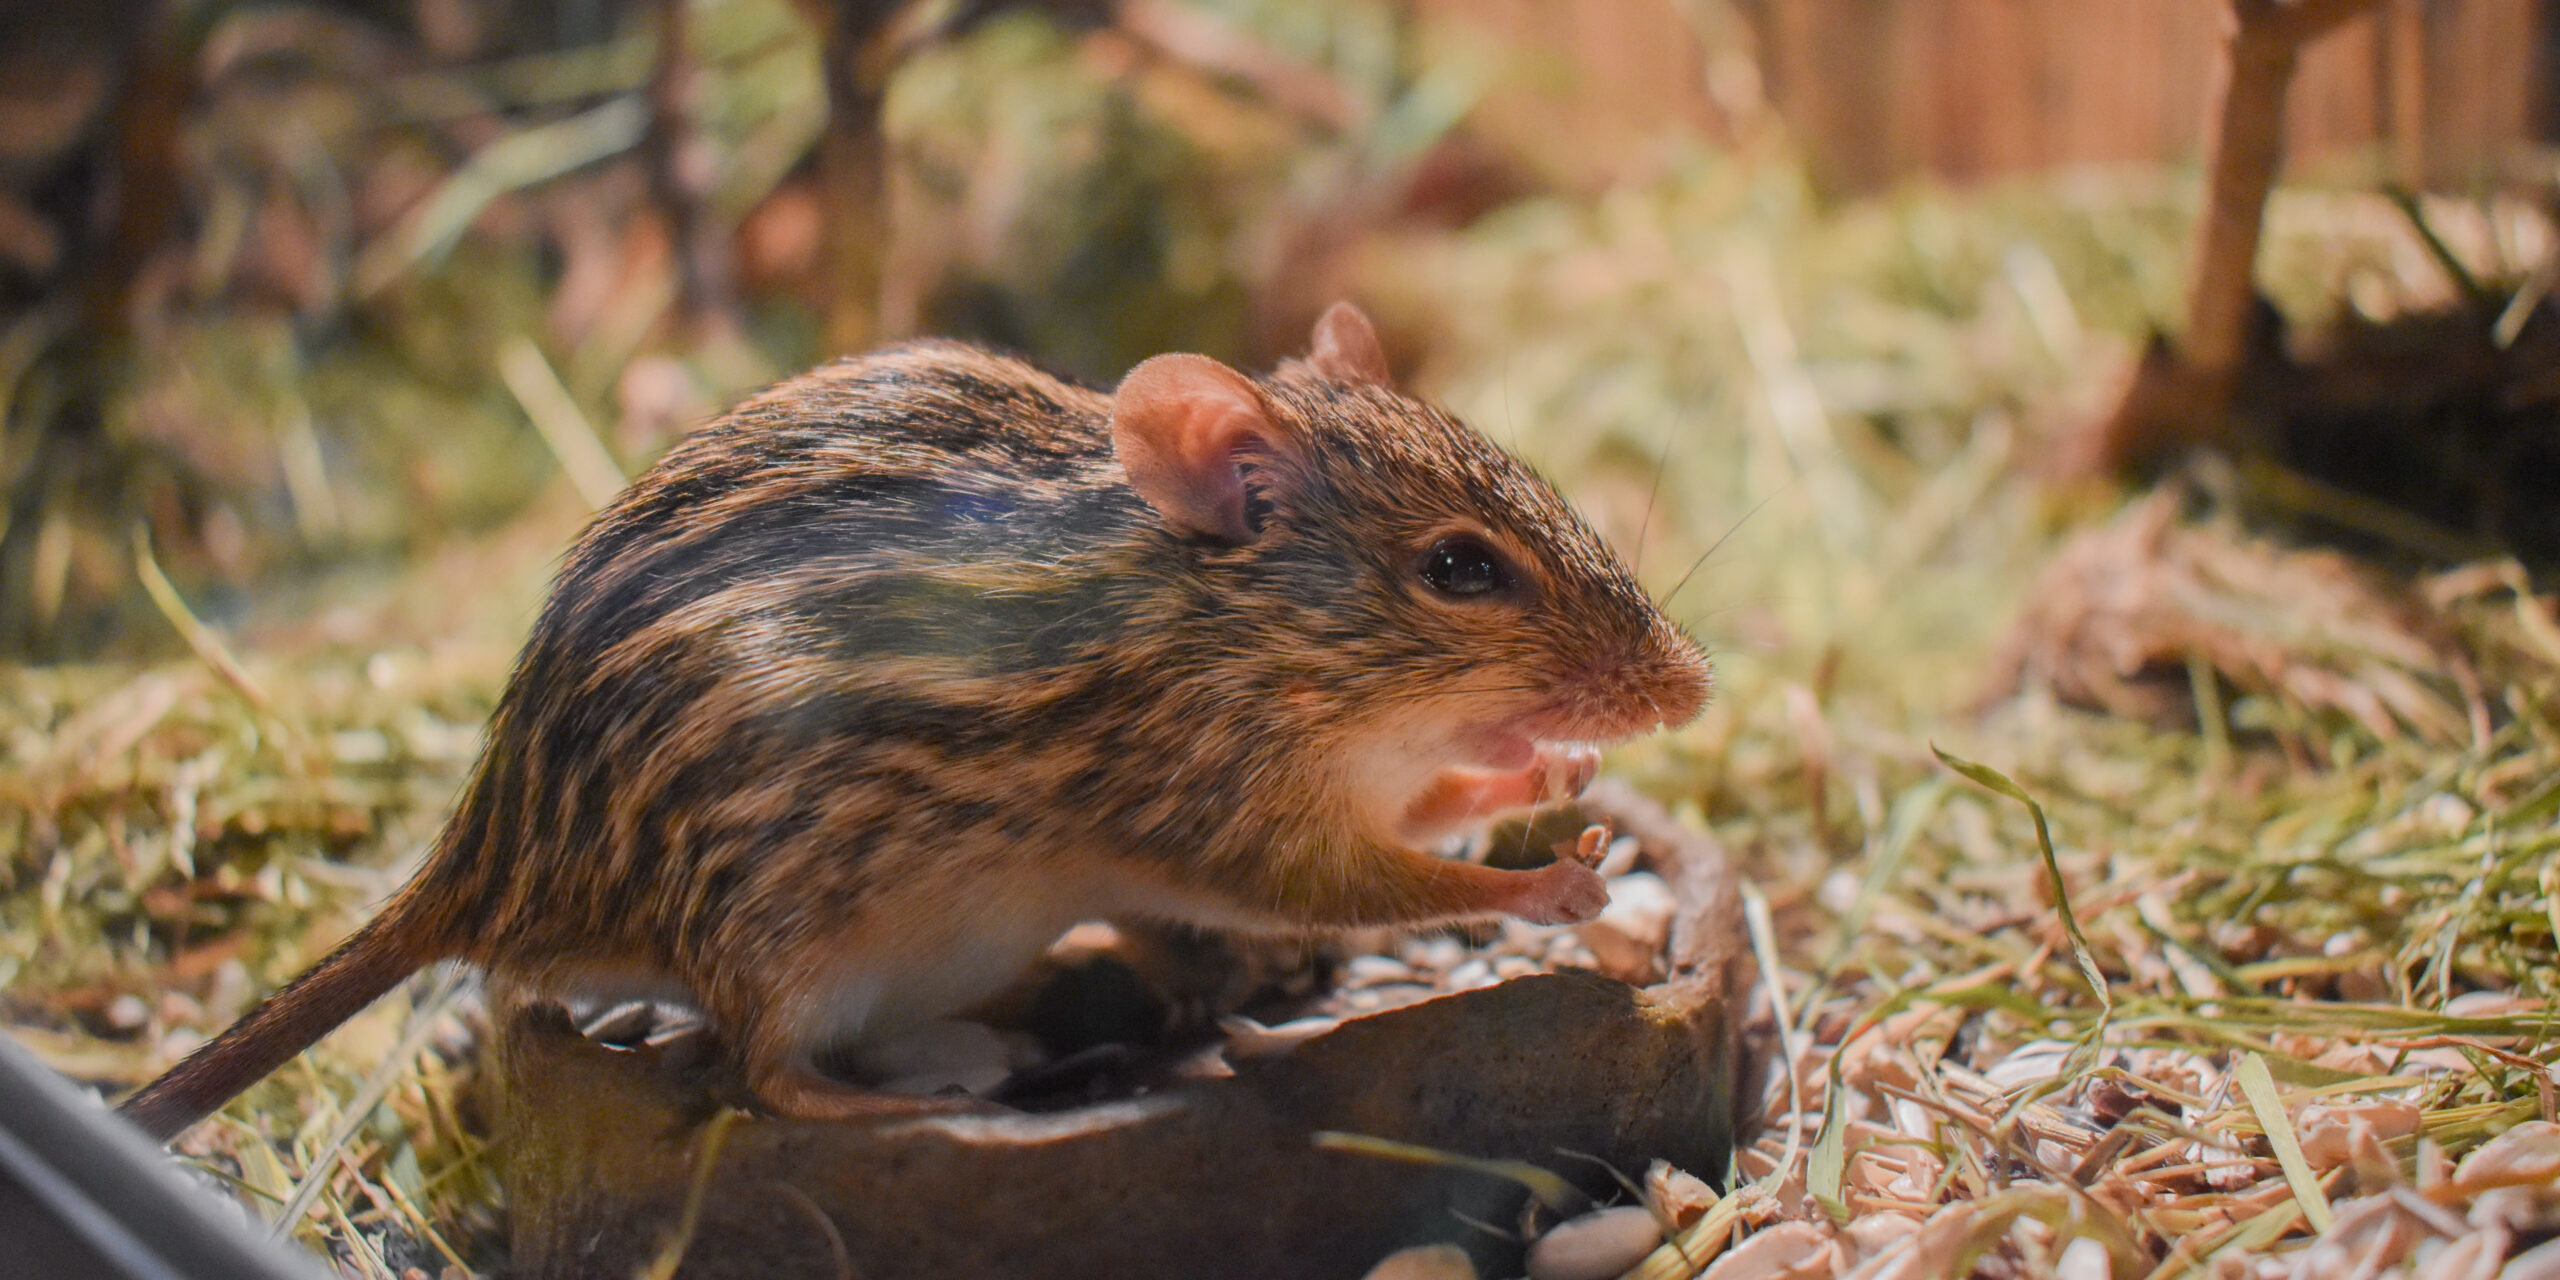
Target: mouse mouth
{"points": [[1496, 773], [1509, 750], [1418, 781], [1553, 732]]}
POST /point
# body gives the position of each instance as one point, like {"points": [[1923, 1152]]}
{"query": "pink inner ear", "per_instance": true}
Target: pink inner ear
{"points": [[1177, 423], [1346, 346]]}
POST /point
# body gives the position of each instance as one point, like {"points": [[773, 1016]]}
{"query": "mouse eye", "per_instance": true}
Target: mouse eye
{"points": [[1464, 566]]}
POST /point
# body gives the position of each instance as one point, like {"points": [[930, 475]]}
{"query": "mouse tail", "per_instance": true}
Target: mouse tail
{"points": [[386, 950]]}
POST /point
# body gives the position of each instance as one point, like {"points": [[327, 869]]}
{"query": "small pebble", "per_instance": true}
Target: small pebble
{"points": [[1437, 955], [1523, 938], [1469, 976], [127, 1013], [1565, 951], [1596, 1245], [1370, 971]]}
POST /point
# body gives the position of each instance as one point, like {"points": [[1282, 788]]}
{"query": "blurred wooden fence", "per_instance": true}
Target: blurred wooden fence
{"points": [[1973, 88], [2439, 92]]}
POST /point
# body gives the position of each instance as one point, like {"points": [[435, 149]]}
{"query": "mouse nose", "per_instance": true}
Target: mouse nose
{"points": [[1683, 679], [1662, 681]]}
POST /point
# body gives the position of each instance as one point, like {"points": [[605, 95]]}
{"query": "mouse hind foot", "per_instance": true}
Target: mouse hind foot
{"points": [[800, 1091]]}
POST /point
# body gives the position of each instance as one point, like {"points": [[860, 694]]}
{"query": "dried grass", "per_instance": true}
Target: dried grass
{"points": [[174, 848]]}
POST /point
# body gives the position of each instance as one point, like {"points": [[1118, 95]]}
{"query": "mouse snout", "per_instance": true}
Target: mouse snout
{"points": [[1660, 683], [1672, 679]]}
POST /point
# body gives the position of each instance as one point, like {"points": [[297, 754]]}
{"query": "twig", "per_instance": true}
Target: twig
{"points": [[422, 1022], [516, 161], [2473, 292], [2261, 47], [1552, 1191], [555, 414], [715, 1135], [199, 637]]}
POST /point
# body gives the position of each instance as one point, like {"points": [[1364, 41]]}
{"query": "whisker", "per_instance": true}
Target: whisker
{"points": [[1660, 461], [1701, 561]]}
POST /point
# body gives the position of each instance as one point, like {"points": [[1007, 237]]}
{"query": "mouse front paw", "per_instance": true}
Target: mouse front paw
{"points": [[1565, 891]]}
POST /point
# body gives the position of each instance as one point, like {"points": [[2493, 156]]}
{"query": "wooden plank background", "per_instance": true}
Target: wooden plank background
{"points": [[2438, 93]]}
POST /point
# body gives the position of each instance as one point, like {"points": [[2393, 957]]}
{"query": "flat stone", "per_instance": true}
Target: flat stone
{"points": [[1204, 1179]]}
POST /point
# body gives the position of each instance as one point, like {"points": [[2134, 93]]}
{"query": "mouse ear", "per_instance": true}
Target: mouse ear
{"points": [[1346, 346], [1177, 425]]}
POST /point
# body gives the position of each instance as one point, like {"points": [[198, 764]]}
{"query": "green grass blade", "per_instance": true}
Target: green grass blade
{"points": [[2260, 1089]]}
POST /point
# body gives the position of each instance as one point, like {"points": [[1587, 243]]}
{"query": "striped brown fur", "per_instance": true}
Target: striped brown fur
{"points": [[869, 688]]}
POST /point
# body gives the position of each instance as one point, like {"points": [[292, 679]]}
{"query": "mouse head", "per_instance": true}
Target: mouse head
{"points": [[1410, 599]]}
